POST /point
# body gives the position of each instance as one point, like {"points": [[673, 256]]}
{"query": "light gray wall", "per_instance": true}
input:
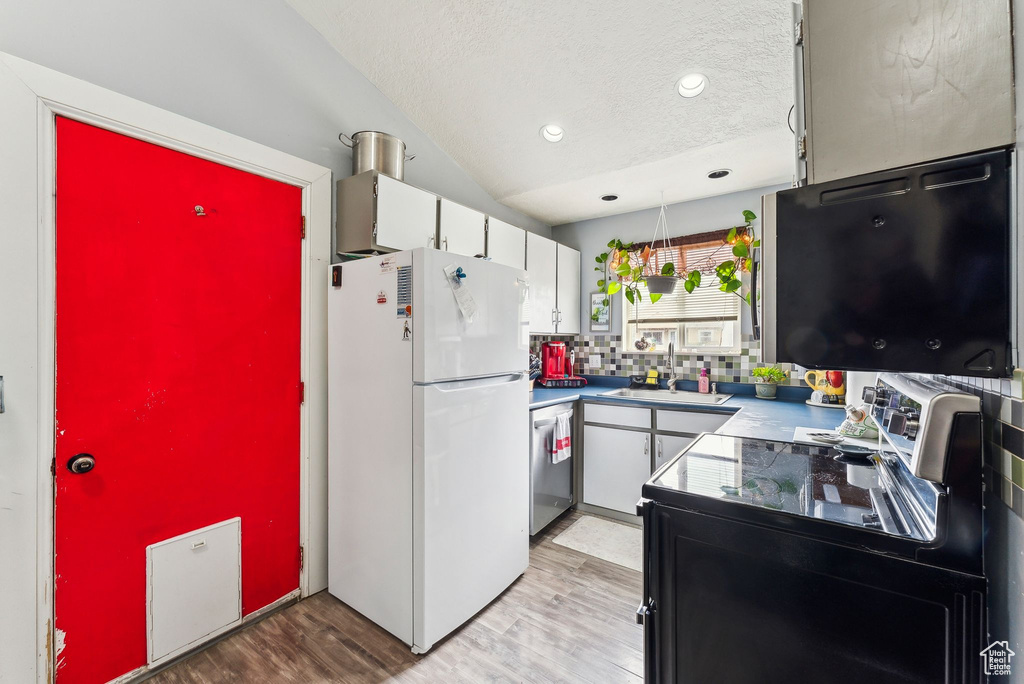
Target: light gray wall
{"points": [[1004, 565], [685, 218], [254, 68]]}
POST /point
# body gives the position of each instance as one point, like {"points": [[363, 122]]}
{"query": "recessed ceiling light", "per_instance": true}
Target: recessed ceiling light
{"points": [[692, 85], [609, 197], [552, 133], [719, 173]]}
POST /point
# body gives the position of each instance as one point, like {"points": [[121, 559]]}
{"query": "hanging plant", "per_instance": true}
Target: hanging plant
{"points": [[629, 269]]}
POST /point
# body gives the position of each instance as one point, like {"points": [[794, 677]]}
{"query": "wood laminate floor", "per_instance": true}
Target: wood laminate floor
{"points": [[569, 618]]}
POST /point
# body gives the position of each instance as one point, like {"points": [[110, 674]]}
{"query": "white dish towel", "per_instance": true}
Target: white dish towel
{"points": [[561, 439]]}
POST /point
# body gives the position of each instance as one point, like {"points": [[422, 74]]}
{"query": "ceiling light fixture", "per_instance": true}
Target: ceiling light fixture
{"points": [[552, 133], [692, 85], [719, 173], [609, 197]]}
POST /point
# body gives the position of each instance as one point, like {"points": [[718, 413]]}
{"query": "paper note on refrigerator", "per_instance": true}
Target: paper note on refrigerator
{"points": [[467, 305]]}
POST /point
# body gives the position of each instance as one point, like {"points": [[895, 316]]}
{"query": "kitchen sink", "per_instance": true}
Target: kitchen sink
{"points": [[678, 397]]}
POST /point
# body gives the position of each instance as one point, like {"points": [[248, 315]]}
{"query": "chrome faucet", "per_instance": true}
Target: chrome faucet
{"points": [[672, 379]]}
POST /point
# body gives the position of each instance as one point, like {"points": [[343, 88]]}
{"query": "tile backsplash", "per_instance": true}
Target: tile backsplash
{"points": [[615, 360], [1003, 409]]}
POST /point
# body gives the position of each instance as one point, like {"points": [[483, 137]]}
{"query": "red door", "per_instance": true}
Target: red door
{"points": [[178, 361]]}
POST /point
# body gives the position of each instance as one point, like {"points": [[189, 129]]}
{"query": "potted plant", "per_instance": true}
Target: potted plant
{"points": [[628, 269], [767, 379]]}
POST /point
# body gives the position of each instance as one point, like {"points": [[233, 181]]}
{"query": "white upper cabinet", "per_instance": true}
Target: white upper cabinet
{"points": [[406, 215], [541, 265], [460, 229], [377, 213], [554, 272], [567, 298], [903, 82], [506, 244]]}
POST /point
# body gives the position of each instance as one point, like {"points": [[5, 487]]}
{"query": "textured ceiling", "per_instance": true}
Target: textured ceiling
{"points": [[480, 77]]}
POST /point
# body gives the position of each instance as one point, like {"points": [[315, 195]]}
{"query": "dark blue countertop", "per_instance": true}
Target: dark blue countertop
{"points": [[752, 417], [539, 398]]}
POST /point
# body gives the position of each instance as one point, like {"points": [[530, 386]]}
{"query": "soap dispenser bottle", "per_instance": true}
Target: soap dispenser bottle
{"points": [[704, 383]]}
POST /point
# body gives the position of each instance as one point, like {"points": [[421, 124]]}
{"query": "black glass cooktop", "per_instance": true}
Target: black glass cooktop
{"points": [[790, 478]]}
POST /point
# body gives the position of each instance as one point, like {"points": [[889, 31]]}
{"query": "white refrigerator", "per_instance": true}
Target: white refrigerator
{"points": [[428, 467]]}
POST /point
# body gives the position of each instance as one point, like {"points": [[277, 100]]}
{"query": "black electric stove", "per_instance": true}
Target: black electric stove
{"points": [[770, 561]]}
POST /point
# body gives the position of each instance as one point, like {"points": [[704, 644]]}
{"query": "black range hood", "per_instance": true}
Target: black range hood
{"points": [[905, 270]]}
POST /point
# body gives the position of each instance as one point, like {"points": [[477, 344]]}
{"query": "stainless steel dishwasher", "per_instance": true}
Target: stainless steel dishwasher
{"points": [[550, 484]]}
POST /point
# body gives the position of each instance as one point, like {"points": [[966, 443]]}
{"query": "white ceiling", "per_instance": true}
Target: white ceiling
{"points": [[480, 77]]}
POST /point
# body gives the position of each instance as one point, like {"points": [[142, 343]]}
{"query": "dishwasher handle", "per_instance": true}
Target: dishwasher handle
{"points": [[548, 421]]}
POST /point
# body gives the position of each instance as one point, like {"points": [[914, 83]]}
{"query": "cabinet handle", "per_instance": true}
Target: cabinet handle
{"points": [[430, 241], [554, 316], [446, 243], [661, 450], [647, 445]]}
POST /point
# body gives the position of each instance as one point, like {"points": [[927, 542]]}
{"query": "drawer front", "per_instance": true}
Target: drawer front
{"points": [[692, 422], [619, 416]]}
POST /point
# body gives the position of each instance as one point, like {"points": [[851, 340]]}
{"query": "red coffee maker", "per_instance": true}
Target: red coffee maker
{"points": [[552, 360], [556, 368]]}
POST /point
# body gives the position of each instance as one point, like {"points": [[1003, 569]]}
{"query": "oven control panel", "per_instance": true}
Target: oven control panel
{"points": [[915, 413]]}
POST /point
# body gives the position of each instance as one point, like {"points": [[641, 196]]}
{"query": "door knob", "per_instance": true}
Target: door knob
{"points": [[80, 464]]}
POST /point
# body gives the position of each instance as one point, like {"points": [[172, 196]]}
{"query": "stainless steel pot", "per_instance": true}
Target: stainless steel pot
{"points": [[373, 150]]}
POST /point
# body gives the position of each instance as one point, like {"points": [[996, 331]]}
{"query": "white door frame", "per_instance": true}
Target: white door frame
{"points": [[30, 97]]}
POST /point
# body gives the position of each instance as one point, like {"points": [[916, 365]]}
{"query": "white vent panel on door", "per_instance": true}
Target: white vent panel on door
{"points": [[194, 588]]}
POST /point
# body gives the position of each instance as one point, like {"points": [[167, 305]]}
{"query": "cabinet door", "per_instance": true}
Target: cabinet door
{"points": [[406, 216], [567, 300], [616, 463], [506, 244], [667, 446], [461, 229], [619, 416], [904, 83], [541, 264]]}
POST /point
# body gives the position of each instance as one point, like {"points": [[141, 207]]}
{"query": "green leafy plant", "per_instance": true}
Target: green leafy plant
{"points": [[627, 267], [772, 374], [628, 271]]}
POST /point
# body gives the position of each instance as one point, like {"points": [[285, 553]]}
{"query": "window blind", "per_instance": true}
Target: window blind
{"points": [[706, 303]]}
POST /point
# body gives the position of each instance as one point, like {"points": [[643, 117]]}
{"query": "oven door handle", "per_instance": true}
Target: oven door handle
{"points": [[645, 617]]}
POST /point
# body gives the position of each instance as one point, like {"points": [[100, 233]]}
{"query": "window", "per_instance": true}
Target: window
{"points": [[704, 321]]}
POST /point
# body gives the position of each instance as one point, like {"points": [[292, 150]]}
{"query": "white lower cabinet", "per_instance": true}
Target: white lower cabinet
{"points": [[667, 446], [617, 463]]}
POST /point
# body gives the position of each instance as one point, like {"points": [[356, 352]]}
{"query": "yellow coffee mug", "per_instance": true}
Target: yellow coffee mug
{"points": [[818, 380]]}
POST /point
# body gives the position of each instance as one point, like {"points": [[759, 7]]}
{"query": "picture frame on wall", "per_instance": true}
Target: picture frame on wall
{"points": [[600, 313]]}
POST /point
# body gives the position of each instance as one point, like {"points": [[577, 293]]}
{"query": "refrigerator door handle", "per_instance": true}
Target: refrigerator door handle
{"points": [[476, 383]]}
